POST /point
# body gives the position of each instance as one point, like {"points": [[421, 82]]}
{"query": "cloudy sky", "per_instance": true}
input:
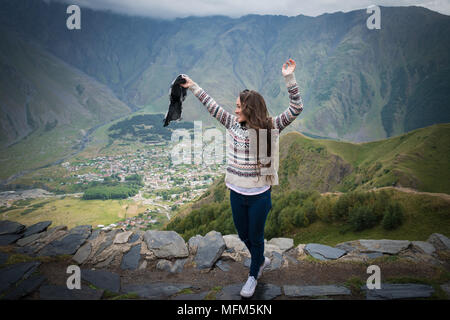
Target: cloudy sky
{"points": [[169, 9]]}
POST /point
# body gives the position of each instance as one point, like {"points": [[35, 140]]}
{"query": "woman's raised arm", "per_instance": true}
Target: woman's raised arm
{"points": [[222, 115], [295, 100]]}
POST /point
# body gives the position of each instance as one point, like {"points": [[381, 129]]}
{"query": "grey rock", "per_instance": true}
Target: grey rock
{"points": [[105, 263], [30, 239], [164, 265], [210, 248], [308, 291], [69, 244], [193, 244], [373, 255], [166, 244], [122, 237], [390, 291], [247, 262], [10, 227], [7, 239], [439, 241], [191, 296], [94, 235], [130, 260], [107, 242], [157, 291], [291, 259], [25, 287], [143, 265], [276, 261], [383, 246], [178, 266], [37, 228], [168, 266], [134, 237], [83, 253], [233, 242], [13, 273], [54, 292], [446, 288], [223, 266], [3, 257], [424, 247], [283, 243], [323, 252], [263, 291], [102, 279]]}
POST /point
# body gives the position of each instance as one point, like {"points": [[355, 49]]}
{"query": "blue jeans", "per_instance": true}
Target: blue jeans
{"points": [[249, 216]]}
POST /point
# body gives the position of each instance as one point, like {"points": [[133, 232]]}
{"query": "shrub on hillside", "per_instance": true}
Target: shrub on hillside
{"points": [[361, 218], [393, 217]]}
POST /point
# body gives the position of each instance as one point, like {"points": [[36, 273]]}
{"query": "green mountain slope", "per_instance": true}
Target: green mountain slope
{"points": [[357, 84], [47, 107], [419, 159]]}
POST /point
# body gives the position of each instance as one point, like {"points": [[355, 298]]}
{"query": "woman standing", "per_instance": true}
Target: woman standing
{"points": [[250, 196]]}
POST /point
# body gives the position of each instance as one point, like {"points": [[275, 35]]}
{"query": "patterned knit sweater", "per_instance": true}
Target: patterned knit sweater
{"points": [[241, 167]]}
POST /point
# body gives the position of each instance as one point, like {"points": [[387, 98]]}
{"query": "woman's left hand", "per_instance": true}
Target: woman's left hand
{"points": [[290, 67]]}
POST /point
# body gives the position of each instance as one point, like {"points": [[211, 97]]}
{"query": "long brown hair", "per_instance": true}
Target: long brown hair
{"points": [[255, 111]]}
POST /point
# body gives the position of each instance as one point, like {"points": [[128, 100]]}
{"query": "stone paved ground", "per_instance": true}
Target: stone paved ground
{"points": [[159, 265]]}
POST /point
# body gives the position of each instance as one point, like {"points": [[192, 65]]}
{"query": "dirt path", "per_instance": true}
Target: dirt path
{"points": [[443, 196]]}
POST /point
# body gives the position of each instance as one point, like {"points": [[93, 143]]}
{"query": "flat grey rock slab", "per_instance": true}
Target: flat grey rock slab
{"points": [[191, 296], [383, 245], [390, 291], [323, 252], [15, 272], [29, 239], [263, 291], [7, 239], [10, 227], [102, 279], [54, 292], [310, 291], [209, 249], [3, 257], [69, 244], [25, 287], [130, 260], [83, 253], [157, 291], [166, 244], [37, 228]]}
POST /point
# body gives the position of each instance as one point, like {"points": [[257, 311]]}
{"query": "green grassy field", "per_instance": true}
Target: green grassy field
{"points": [[71, 211]]}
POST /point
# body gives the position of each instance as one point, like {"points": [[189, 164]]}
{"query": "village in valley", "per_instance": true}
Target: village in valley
{"points": [[166, 186]]}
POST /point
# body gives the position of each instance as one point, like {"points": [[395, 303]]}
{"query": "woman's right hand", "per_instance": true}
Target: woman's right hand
{"points": [[189, 83], [290, 67]]}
